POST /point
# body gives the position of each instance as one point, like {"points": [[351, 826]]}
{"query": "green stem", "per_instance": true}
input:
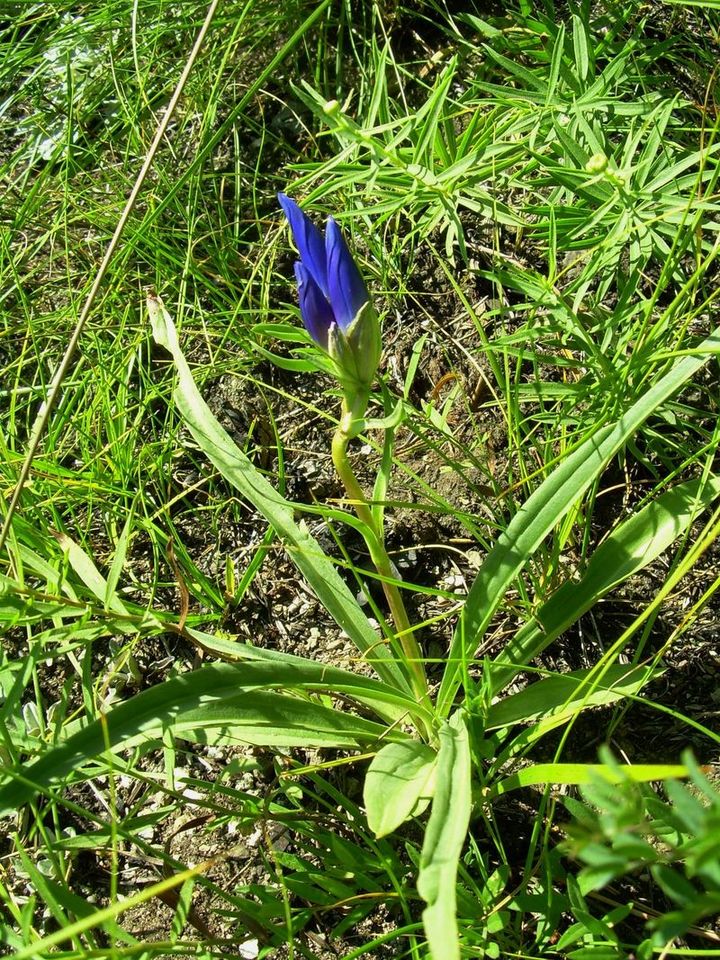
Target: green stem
{"points": [[381, 561]]}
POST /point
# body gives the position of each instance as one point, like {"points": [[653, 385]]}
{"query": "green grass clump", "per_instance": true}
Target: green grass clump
{"points": [[210, 740]]}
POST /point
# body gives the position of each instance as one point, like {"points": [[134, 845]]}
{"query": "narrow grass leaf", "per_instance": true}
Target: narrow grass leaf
{"points": [[85, 568], [577, 774], [99, 917], [52, 896], [118, 561], [561, 697], [555, 64], [581, 46], [429, 115]]}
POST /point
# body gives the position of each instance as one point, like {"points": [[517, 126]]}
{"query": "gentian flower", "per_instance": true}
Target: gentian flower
{"points": [[334, 301]]}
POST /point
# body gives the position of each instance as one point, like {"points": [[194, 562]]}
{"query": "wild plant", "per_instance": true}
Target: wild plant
{"points": [[552, 136], [449, 749]]}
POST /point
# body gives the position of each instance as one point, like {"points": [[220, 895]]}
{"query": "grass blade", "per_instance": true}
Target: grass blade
{"points": [[556, 699], [577, 774]]}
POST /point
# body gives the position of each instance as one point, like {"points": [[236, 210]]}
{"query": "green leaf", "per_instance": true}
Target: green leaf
{"points": [[85, 568], [398, 785], [581, 47], [119, 557], [629, 548], [444, 839], [287, 670], [541, 774], [556, 699], [544, 509], [217, 702], [237, 469], [674, 885]]}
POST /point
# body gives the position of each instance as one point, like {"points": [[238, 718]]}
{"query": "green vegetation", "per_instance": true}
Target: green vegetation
{"points": [[215, 739]]}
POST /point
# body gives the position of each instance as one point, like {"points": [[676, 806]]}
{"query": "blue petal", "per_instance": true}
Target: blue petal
{"points": [[315, 310], [308, 240], [346, 288]]}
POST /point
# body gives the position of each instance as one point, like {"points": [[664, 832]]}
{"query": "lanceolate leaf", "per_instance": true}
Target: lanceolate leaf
{"points": [[557, 698], [541, 774], [237, 469], [399, 776], [219, 700], [287, 670], [444, 839], [542, 511], [629, 548]]}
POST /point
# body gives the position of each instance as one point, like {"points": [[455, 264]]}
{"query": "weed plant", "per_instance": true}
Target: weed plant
{"points": [[213, 740]]}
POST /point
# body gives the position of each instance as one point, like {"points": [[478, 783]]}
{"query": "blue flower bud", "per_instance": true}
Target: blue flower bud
{"points": [[308, 240], [347, 290], [334, 300], [316, 311]]}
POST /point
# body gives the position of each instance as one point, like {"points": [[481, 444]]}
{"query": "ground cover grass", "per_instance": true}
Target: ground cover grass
{"points": [[532, 194]]}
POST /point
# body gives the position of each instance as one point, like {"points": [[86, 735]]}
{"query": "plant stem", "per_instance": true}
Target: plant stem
{"points": [[374, 541]]}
